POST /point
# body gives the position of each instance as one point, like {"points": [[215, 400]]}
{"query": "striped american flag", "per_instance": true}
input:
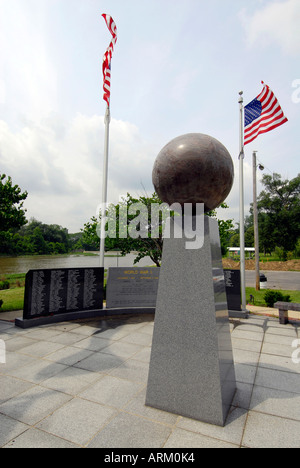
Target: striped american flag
{"points": [[107, 57], [262, 115]]}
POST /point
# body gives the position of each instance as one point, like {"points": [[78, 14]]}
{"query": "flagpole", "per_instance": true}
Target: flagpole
{"points": [[255, 219], [242, 205], [106, 87], [104, 186]]}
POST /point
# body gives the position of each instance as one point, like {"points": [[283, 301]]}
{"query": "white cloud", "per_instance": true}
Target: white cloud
{"points": [[28, 78], [278, 22], [59, 163]]}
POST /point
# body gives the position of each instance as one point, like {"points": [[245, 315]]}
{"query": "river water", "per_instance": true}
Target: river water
{"points": [[41, 262]]}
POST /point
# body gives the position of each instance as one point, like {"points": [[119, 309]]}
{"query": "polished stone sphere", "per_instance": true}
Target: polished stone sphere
{"points": [[193, 168]]}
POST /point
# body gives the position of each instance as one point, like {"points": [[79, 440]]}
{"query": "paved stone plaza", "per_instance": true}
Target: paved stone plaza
{"points": [[83, 384]]}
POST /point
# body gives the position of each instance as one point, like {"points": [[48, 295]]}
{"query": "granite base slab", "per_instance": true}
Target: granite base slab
{"points": [[47, 320]]}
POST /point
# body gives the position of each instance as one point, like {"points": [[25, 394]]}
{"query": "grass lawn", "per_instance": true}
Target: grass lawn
{"points": [[15, 280], [259, 296], [13, 299]]}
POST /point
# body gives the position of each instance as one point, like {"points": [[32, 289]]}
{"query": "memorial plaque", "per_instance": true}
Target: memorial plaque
{"points": [[132, 287], [233, 289], [59, 291]]}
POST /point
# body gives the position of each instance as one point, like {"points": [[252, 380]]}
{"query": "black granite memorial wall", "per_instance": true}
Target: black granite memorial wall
{"points": [[59, 291], [233, 289]]}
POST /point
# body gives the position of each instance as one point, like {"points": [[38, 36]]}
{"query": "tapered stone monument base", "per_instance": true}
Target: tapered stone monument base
{"points": [[191, 369]]}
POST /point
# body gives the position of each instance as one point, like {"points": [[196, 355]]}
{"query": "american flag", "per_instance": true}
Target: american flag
{"points": [[262, 115], [107, 57]]}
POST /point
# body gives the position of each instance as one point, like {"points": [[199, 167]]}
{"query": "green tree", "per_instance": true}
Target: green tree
{"points": [[12, 213], [279, 213], [226, 229], [22, 244], [145, 245], [55, 238], [39, 244], [74, 241], [148, 241], [90, 239], [249, 237], [234, 240]]}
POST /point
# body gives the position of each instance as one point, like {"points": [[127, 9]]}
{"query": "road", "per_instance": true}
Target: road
{"points": [[289, 280]]}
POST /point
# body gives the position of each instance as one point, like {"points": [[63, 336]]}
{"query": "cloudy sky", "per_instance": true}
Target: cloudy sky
{"points": [[177, 68]]}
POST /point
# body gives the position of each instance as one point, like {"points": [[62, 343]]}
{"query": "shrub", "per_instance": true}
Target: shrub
{"points": [[280, 253], [290, 255], [297, 249], [4, 285], [275, 296]]}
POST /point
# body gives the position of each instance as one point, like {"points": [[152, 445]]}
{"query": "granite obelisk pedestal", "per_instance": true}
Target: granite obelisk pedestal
{"points": [[191, 369]]}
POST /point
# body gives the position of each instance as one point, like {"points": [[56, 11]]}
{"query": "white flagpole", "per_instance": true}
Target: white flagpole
{"points": [[242, 208], [104, 186], [106, 86], [255, 218]]}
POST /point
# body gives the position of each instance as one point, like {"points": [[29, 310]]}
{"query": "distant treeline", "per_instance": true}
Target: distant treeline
{"points": [[38, 238]]}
